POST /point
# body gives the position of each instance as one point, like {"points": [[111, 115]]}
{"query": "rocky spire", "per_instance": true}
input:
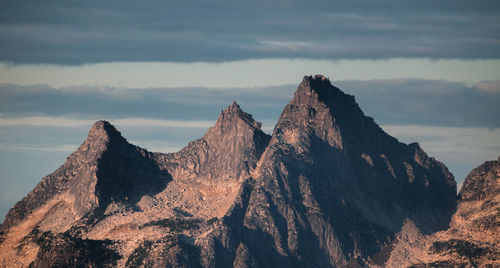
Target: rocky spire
{"points": [[232, 115], [102, 135], [229, 150], [332, 115], [103, 130], [308, 112], [238, 133]]}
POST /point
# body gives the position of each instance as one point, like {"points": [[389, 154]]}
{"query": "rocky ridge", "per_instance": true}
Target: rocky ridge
{"points": [[473, 238], [109, 190], [329, 188]]}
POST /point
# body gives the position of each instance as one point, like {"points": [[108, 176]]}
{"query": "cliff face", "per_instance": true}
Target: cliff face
{"points": [[329, 188]]}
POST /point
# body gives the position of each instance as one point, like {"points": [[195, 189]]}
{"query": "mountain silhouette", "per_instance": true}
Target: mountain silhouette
{"points": [[328, 188]]}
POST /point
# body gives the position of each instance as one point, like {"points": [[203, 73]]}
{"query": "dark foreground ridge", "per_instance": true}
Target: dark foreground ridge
{"points": [[329, 188]]}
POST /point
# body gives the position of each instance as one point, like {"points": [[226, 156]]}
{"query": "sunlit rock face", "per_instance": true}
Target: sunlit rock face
{"points": [[474, 234], [329, 188]]}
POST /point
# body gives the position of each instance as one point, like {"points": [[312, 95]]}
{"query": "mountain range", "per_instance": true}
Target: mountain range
{"points": [[328, 188]]}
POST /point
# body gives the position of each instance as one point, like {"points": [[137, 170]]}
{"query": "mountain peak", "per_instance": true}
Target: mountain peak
{"points": [[319, 86], [316, 78], [101, 125], [234, 113], [323, 108], [317, 83], [103, 130], [102, 135], [234, 107]]}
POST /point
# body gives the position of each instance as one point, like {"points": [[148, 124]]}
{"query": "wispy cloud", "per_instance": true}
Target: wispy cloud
{"points": [[69, 148], [44, 121], [145, 122], [68, 122], [160, 106], [426, 102], [226, 76], [451, 139], [390, 102], [489, 86]]}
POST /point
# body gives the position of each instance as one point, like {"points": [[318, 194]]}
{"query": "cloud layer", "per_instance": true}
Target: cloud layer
{"points": [[390, 102], [74, 32], [426, 102], [41, 125]]}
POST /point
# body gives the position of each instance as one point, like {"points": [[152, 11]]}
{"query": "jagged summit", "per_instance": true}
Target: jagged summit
{"points": [[335, 117], [104, 132], [317, 78], [320, 91], [233, 114], [234, 124], [102, 137], [322, 109], [227, 151], [234, 107], [318, 84]]}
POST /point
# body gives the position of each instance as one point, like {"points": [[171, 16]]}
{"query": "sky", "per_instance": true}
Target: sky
{"points": [[161, 72]]}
